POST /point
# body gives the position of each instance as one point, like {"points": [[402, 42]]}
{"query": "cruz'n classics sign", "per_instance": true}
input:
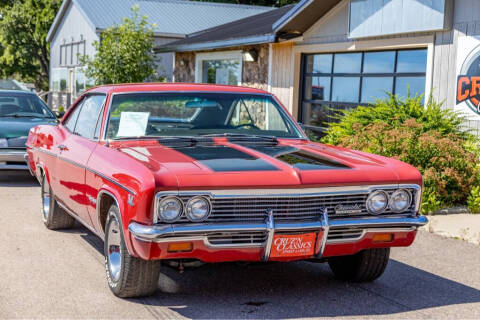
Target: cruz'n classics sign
{"points": [[468, 76]]}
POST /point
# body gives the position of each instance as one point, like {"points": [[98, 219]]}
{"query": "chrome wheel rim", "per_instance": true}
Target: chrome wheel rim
{"points": [[45, 199], [113, 250]]}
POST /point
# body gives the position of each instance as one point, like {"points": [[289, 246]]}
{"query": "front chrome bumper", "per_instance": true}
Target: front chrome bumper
{"points": [[13, 160], [191, 232]]}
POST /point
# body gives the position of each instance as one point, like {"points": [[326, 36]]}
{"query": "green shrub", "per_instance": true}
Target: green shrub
{"points": [[430, 202], [395, 111], [429, 138], [473, 201]]}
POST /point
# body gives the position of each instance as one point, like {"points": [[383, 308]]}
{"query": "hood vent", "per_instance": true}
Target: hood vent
{"points": [[254, 140], [184, 142]]}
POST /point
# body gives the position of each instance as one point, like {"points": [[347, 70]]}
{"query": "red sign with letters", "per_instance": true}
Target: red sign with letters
{"points": [[293, 245]]}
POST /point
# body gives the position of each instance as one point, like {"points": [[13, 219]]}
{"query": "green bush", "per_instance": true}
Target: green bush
{"points": [[395, 111], [473, 201], [427, 137]]}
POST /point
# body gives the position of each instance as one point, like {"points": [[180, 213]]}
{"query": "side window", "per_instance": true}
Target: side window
{"points": [[88, 117], [72, 118]]}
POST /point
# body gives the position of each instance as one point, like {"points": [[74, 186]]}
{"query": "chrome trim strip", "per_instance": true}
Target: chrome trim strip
{"points": [[277, 193], [169, 233], [97, 206], [28, 164], [270, 226], [13, 167], [366, 222], [207, 243], [86, 168], [326, 230], [371, 230]]}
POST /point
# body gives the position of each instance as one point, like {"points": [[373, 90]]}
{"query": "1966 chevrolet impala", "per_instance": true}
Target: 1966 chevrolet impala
{"points": [[183, 172]]}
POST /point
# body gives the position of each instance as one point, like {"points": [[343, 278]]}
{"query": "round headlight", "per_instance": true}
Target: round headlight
{"points": [[377, 202], [198, 209], [170, 209], [400, 201]]}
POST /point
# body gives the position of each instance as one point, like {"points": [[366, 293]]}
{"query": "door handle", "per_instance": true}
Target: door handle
{"points": [[62, 147]]}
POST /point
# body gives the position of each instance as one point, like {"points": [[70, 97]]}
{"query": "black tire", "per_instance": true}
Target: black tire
{"points": [[365, 266], [134, 277], [54, 217]]}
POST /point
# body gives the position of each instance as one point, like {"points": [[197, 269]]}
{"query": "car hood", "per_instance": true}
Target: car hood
{"points": [[226, 164], [15, 127]]}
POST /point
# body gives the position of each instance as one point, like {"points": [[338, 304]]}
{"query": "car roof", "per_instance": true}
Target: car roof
{"points": [[174, 87]]}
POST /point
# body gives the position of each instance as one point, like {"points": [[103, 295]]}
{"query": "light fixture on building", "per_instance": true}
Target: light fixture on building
{"points": [[250, 55]]}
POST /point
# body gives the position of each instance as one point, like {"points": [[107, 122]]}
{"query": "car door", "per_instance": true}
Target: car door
{"points": [[80, 136]]}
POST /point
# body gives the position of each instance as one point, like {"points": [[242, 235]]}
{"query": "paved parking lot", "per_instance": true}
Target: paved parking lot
{"points": [[46, 274]]}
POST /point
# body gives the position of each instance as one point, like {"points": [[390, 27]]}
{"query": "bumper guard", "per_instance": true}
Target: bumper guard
{"points": [[189, 232]]}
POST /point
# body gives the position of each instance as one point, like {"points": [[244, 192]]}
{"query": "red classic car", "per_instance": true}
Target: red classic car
{"points": [[186, 172]]}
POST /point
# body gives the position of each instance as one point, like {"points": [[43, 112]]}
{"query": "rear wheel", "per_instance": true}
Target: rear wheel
{"points": [[127, 276], [54, 217], [365, 266]]}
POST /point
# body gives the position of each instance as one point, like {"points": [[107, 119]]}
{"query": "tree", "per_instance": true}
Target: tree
{"points": [[24, 51], [124, 53], [269, 3]]}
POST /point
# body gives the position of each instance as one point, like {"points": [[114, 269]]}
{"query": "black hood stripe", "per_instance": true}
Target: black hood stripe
{"points": [[226, 159], [300, 159]]}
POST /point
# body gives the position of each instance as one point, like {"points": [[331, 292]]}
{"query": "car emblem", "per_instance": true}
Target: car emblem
{"points": [[348, 209], [131, 200]]}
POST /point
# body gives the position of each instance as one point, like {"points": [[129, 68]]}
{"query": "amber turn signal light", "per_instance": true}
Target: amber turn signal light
{"points": [[180, 247], [383, 237]]}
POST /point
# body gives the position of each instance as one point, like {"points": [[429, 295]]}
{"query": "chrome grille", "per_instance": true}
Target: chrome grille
{"points": [[285, 209], [344, 234], [233, 239]]}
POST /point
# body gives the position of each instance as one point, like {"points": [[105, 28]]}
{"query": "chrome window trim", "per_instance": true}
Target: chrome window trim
{"points": [[103, 135]]}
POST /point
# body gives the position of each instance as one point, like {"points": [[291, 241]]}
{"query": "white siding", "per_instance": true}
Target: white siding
{"points": [[73, 25], [165, 66], [386, 17], [282, 73]]}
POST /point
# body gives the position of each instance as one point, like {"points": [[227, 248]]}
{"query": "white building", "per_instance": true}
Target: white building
{"points": [[80, 22]]}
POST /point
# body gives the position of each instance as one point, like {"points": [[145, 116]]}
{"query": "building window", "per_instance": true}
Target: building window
{"points": [[219, 67], [339, 81], [82, 83], [71, 52], [58, 79]]}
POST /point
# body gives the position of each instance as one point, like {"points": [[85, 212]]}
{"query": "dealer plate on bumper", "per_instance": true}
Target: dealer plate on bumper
{"points": [[293, 245]]}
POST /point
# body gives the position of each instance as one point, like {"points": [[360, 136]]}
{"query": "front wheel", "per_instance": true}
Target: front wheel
{"points": [[127, 276], [365, 266]]}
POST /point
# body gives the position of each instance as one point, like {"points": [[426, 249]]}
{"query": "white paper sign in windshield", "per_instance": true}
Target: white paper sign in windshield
{"points": [[133, 124]]}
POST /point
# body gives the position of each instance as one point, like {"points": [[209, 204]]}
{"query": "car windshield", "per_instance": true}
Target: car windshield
{"points": [[23, 105], [194, 114]]}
